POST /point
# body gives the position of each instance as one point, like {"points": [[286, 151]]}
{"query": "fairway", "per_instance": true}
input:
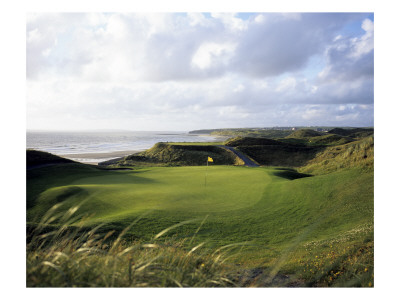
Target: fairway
{"points": [[117, 194], [242, 204]]}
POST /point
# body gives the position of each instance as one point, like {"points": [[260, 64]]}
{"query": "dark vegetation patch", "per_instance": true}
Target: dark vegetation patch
{"points": [[263, 133], [290, 174], [56, 175], [281, 155], [321, 140], [117, 169], [274, 153], [353, 132], [250, 141], [37, 158]]}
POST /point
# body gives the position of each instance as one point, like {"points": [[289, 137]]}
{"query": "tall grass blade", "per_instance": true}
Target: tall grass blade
{"points": [[173, 227]]}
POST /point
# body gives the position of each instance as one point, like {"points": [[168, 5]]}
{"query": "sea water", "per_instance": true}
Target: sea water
{"points": [[67, 143]]}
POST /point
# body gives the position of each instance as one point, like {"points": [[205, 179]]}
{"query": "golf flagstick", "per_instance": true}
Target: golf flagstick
{"points": [[205, 178]]}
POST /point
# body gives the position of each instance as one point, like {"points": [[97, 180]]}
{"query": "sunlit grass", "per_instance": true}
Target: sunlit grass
{"points": [[272, 230]]}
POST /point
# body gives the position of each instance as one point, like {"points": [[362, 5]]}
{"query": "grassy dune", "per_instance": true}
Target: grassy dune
{"points": [[180, 154], [36, 158]]}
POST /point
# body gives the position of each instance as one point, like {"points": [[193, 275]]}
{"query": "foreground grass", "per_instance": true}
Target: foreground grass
{"points": [[77, 257], [81, 256]]}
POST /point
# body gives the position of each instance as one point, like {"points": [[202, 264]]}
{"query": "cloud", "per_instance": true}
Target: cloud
{"points": [[157, 47], [350, 58], [284, 42], [217, 70]]}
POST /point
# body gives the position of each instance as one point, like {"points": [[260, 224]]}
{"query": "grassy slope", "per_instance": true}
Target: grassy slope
{"points": [[36, 158], [356, 154], [126, 193], [181, 154], [353, 132], [264, 133], [274, 153], [242, 204]]}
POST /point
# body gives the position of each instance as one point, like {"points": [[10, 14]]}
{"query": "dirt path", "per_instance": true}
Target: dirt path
{"points": [[247, 161]]}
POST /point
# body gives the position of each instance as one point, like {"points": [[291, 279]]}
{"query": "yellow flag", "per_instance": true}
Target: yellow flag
{"points": [[210, 159]]}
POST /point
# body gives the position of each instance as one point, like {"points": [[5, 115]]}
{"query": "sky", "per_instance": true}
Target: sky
{"points": [[186, 71]]}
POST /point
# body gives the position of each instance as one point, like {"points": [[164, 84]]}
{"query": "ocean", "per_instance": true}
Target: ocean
{"points": [[94, 147]]}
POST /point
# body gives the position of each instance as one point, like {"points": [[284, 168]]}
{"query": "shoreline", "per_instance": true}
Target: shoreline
{"points": [[97, 157], [94, 158]]}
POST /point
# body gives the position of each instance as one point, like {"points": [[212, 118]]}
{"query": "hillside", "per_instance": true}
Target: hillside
{"points": [[304, 133], [250, 141], [358, 154], [36, 158], [318, 140], [353, 132], [270, 152], [263, 133], [271, 133], [164, 154]]}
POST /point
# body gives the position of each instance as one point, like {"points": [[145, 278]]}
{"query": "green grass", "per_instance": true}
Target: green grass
{"points": [[180, 154], [286, 221], [359, 154], [62, 257], [262, 133], [320, 140], [128, 193]]}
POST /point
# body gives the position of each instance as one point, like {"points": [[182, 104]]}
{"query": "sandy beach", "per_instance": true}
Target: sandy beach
{"points": [[94, 148], [95, 158]]}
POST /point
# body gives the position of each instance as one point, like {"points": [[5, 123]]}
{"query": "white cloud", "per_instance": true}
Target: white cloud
{"points": [[349, 59], [259, 19], [364, 44], [286, 84], [209, 54], [231, 21], [139, 69]]}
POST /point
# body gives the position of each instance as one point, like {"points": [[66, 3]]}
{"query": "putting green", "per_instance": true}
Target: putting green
{"points": [[189, 189]]}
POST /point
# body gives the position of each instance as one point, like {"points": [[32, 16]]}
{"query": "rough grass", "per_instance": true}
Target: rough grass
{"points": [[358, 154], [284, 155], [87, 256], [180, 154], [262, 133], [321, 140], [271, 152], [353, 132], [251, 141], [304, 133], [77, 257]]}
